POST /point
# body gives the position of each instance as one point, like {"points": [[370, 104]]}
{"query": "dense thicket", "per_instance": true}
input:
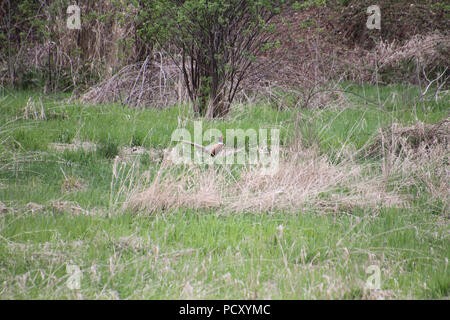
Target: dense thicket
{"points": [[38, 50], [213, 42]]}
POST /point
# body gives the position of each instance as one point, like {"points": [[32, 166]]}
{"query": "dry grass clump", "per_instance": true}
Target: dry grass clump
{"points": [[34, 207], [190, 188], [31, 111], [72, 184], [396, 138], [425, 170], [3, 208], [304, 178], [415, 158], [430, 49], [67, 206], [417, 59]]}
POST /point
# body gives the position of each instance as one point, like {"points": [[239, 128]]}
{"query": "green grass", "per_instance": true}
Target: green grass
{"points": [[231, 257], [305, 253]]}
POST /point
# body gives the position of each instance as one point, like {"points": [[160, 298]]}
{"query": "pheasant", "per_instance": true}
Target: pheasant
{"points": [[212, 150]]}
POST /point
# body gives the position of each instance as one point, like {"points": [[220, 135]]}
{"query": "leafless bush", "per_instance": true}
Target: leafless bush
{"points": [[155, 82], [305, 70], [304, 81]]}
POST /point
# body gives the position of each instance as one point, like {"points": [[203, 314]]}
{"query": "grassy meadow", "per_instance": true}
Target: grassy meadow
{"points": [[139, 227]]}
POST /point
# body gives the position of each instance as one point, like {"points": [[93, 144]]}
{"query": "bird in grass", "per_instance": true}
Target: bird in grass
{"points": [[213, 150]]}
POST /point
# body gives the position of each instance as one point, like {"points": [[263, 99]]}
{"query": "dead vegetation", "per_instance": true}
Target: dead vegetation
{"points": [[71, 207], [3, 208], [43, 52], [401, 20], [397, 139], [303, 179], [72, 184], [414, 156], [429, 49], [155, 82], [32, 111]]}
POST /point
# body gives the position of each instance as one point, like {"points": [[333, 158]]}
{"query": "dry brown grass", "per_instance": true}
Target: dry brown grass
{"points": [[397, 138], [426, 49], [304, 179], [31, 111], [426, 169], [77, 58], [156, 82], [72, 184], [68, 206], [427, 53], [415, 157]]}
